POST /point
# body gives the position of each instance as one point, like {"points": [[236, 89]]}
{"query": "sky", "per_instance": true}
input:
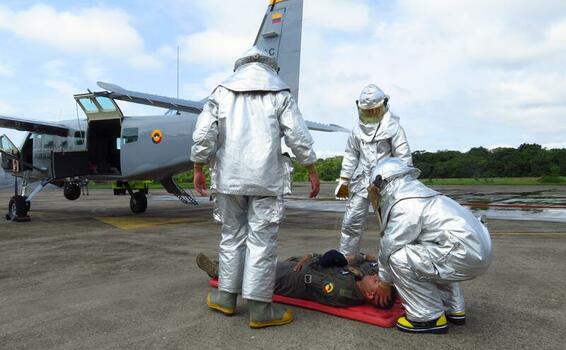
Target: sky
{"points": [[460, 74]]}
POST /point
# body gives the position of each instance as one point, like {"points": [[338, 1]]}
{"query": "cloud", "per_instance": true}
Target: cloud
{"points": [[6, 70], [97, 31], [344, 16], [6, 108]]}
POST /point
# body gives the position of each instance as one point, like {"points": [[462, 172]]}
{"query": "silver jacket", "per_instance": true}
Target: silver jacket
{"points": [[424, 223], [239, 133], [369, 143]]}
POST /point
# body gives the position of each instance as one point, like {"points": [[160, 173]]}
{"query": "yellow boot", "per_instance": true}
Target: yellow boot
{"points": [[264, 314], [223, 302], [437, 326]]}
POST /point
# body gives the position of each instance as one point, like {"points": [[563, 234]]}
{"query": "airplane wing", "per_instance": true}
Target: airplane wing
{"points": [[119, 93], [325, 127], [33, 126]]}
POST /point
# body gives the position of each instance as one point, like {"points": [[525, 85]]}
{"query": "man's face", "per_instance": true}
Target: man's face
{"points": [[369, 286]]}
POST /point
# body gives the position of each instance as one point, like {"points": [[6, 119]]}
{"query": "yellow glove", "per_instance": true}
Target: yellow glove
{"points": [[342, 191]]}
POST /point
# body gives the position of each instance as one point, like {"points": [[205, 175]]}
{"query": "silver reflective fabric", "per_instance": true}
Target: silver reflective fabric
{"points": [[248, 245], [366, 146], [353, 224], [371, 97], [256, 55], [255, 77], [430, 243], [239, 135]]}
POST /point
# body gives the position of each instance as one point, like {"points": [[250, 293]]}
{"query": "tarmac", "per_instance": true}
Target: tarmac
{"points": [[89, 274]]}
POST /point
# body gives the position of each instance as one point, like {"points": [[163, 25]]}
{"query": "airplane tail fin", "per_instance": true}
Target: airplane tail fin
{"points": [[280, 36]]}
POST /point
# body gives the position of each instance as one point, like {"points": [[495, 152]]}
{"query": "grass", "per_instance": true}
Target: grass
{"points": [[515, 181], [546, 180]]}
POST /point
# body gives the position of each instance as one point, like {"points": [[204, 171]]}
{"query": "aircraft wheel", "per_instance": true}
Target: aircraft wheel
{"points": [[138, 202], [72, 191], [17, 207]]}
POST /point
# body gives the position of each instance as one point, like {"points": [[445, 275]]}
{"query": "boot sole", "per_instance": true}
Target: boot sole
{"points": [[207, 267], [457, 320], [281, 322], [434, 330], [228, 311]]}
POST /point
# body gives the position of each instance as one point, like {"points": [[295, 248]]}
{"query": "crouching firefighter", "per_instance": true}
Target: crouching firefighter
{"points": [[429, 244], [377, 135], [239, 135]]}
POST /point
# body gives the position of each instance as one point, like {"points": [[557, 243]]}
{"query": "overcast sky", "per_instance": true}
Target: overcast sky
{"points": [[460, 73]]}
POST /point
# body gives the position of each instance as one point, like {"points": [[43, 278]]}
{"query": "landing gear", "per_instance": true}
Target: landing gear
{"points": [[138, 202], [18, 209], [72, 191]]}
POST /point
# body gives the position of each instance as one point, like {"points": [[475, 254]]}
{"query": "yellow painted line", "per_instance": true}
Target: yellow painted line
{"points": [[273, 2], [133, 223]]}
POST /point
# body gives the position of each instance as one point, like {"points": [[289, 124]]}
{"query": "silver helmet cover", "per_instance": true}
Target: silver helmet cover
{"points": [[389, 169], [256, 55], [372, 104]]}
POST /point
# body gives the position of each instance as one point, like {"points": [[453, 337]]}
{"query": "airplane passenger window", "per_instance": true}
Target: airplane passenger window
{"points": [[88, 105], [106, 104], [130, 135]]}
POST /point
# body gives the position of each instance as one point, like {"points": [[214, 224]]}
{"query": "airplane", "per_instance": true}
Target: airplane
{"points": [[110, 146]]}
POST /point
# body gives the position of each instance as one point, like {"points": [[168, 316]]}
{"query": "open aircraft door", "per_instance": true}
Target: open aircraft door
{"points": [[10, 155]]}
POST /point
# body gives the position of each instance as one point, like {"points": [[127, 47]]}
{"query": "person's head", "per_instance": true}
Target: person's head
{"points": [[389, 169], [372, 105], [256, 55], [368, 287]]}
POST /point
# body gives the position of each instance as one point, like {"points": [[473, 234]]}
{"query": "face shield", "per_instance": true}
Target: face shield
{"points": [[372, 115]]}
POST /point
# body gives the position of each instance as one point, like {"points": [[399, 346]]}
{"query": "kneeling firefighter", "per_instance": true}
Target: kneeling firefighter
{"points": [[429, 243], [239, 135], [377, 135]]}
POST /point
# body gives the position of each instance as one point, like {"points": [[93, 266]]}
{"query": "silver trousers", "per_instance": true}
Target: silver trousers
{"points": [[424, 298], [353, 224], [248, 244]]}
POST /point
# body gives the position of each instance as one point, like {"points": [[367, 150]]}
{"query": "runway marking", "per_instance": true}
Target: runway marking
{"points": [[133, 223], [528, 233]]}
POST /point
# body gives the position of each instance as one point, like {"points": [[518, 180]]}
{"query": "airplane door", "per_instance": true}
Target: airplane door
{"points": [[10, 154], [42, 149]]}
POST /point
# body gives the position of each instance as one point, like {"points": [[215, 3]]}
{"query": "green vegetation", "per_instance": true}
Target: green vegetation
{"points": [[529, 164]]}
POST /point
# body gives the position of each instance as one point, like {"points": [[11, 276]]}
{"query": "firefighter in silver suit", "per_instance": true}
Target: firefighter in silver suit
{"points": [[238, 134], [377, 135], [429, 244]]}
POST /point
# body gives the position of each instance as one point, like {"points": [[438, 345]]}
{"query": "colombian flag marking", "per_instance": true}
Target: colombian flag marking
{"points": [[276, 17]]}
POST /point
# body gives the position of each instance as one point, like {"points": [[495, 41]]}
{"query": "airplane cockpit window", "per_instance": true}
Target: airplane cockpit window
{"points": [[106, 104], [88, 105]]}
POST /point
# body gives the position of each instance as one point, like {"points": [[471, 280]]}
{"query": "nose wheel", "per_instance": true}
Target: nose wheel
{"points": [[138, 202], [18, 209]]}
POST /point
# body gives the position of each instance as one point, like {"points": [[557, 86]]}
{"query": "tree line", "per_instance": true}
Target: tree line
{"points": [[527, 160]]}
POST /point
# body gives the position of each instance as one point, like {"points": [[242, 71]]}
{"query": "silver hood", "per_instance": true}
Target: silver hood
{"points": [[255, 77]]}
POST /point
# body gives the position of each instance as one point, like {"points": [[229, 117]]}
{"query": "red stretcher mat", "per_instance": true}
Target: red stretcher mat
{"points": [[362, 313]]}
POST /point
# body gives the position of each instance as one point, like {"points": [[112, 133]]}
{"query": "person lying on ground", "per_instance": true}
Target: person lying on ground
{"points": [[329, 279]]}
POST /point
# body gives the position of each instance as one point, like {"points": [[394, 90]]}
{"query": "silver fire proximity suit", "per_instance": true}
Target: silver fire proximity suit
{"points": [[429, 243], [239, 134], [367, 144]]}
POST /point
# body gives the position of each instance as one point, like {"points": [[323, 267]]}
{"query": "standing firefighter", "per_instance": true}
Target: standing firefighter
{"points": [[429, 244], [239, 135], [377, 135]]}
